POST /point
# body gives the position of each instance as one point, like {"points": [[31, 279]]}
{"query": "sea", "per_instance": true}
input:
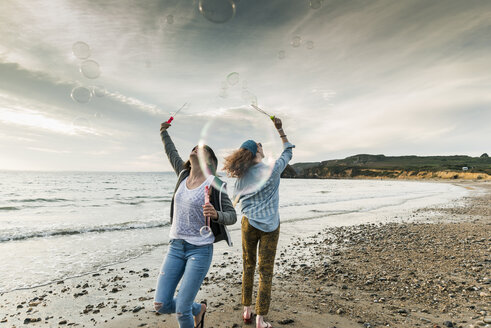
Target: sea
{"points": [[57, 225]]}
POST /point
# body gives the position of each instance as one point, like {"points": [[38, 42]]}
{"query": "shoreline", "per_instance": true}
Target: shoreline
{"points": [[121, 295], [465, 177], [326, 213]]}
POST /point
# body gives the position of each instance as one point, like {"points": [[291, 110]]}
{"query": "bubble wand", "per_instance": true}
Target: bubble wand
{"points": [[261, 111], [205, 230], [172, 117]]}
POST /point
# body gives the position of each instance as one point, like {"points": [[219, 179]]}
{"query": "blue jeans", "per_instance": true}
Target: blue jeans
{"points": [[191, 263]]}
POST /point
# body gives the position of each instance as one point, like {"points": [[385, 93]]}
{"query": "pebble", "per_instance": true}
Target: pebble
{"points": [[30, 320], [137, 309]]}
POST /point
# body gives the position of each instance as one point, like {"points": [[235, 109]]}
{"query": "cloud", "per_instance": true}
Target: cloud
{"points": [[47, 150], [34, 119], [382, 77]]}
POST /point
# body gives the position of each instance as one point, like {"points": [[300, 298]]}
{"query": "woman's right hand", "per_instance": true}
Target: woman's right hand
{"points": [[164, 126]]}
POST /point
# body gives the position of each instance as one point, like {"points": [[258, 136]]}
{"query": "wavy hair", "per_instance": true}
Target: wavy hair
{"points": [[237, 163]]}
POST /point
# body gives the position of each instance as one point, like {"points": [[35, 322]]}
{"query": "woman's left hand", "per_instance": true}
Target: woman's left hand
{"points": [[209, 211], [277, 123]]}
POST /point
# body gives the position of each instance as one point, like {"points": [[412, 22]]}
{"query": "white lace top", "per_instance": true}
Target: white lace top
{"points": [[188, 214]]}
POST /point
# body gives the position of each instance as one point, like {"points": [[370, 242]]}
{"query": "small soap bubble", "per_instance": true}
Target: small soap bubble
{"points": [[170, 19], [224, 85], [281, 54], [233, 78], [99, 91], [244, 84], [217, 11], [205, 231], [90, 69], [249, 97], [296, 41], [81, 123], [315, 4], [223, 94], [98, 116], [81, 50], [310, 45], [81, 94]]}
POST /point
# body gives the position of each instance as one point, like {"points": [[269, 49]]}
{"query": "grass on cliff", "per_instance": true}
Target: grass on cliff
{"points": [[404, 163]]}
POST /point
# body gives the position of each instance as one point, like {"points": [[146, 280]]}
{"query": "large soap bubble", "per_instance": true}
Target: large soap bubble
{"points": [[81, 94], [239, 125], [90, 69], [217, 11], [81, 50], [233, 78]]}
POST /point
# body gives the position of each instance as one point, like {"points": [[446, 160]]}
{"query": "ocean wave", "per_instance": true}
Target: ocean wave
{"points": [[352, 198], [96, 269], [6, 236], [9, 208], [137, 200], [130, 202], [47, 200]]}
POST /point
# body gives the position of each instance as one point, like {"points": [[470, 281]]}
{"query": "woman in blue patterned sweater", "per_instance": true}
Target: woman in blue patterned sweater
{"points": [[257, 190]]}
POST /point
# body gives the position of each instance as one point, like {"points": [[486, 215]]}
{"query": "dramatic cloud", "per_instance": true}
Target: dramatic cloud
{"points": [[387, 77]]}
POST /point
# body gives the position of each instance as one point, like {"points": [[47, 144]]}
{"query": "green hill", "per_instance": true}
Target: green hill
{"points": [[365, 165]]}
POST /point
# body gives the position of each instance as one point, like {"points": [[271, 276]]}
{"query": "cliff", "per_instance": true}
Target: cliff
{"points": [[396, 167]]}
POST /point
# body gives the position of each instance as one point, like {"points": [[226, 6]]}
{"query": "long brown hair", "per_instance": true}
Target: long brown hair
{"points": [[237, 163]]}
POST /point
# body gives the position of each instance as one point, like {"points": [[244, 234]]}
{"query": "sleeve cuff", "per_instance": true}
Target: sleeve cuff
{"points": [[218, 217], [287, 145]]}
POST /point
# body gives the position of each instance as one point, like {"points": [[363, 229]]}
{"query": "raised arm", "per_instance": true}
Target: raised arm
{"points": [[171, 151], [279, 127], [287, 153]]}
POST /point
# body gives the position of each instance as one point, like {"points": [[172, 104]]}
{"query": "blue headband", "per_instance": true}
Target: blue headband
{"points": [[250, 145]]}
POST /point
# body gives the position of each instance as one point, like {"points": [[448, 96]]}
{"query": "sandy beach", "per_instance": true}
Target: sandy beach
{"points": [[425, 268]]}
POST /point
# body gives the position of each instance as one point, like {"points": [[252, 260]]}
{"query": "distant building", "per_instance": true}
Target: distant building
{"points": [[465, 168]]}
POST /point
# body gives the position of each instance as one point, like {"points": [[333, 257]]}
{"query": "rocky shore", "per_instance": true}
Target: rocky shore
{"points": [[430, 271], [392, 275]]}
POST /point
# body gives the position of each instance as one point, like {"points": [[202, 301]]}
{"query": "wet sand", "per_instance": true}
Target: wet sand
{"points": [[430, 269]]}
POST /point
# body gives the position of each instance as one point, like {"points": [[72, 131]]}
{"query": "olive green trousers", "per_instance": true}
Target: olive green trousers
{"points": [[267, 241]]}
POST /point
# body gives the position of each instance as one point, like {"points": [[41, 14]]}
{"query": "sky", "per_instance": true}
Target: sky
{"points": [[346, 77]]}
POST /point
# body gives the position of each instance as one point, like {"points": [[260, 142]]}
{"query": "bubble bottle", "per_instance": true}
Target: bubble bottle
{"points": [[205, 230]]}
